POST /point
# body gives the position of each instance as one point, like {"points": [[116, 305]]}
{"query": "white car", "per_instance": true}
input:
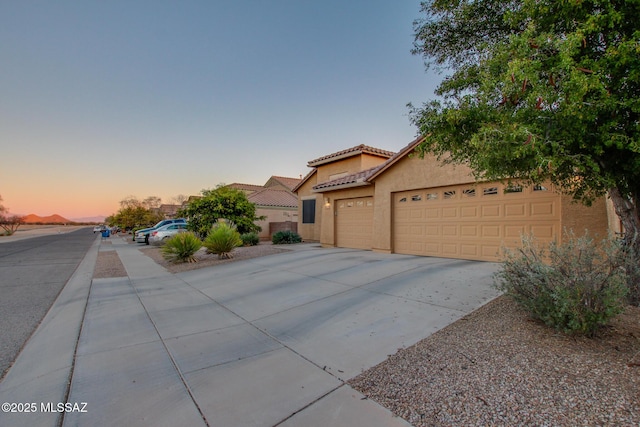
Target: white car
{"points": [[157, 236]]}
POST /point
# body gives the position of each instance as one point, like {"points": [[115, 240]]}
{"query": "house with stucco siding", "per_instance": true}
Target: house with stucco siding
{"points": [[368, 198]]}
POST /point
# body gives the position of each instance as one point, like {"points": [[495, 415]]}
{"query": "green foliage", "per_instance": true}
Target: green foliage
{"points": [[223, 239], [181, 247], [575, 287], [223, 202], [250, 239], [540, 90], [285, 237], [134, 214]]}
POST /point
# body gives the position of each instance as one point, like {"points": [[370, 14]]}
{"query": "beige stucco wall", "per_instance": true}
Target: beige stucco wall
{"points": [[580, 218], [274, 214], [309, 232]]}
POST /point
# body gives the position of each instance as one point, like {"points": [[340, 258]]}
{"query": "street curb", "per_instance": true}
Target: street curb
{"points": [[42, 370]]}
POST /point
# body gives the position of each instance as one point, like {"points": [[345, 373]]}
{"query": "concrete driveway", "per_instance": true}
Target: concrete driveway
{"points": [[264, 342]]}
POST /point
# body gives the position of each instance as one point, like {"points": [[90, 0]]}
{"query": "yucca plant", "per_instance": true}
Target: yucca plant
{"points": [[223, 239], [181, 247]]}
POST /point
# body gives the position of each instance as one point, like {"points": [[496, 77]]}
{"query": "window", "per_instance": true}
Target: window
{"points": [[450, 194], [309, 211], [469, 192], [404, 199], [490, 191], [513, 189], [432, 196], [416, 198], [539, 188], [360, 203]]}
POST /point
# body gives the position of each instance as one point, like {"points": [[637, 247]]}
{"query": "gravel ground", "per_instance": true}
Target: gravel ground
{"points": [[497, 367], [494, 367]]}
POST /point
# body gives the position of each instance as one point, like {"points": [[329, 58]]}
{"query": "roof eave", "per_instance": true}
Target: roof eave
{"points": [[359, 183]]}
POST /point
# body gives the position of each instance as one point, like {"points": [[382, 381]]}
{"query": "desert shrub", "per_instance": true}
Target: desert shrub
{"points": [[250, 239], [285, 237], [181, 247], [222, 239], [575, 287]]}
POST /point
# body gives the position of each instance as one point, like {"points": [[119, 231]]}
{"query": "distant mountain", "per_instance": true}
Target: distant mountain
{"points": [[51, 219]]}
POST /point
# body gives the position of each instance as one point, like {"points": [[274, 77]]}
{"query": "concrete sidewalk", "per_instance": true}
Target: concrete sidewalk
{"points": [[270, 341]]}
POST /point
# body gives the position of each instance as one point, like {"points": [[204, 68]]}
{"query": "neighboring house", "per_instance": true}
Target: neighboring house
{"points": [[167, 211], [275, 201], [368, 198]]}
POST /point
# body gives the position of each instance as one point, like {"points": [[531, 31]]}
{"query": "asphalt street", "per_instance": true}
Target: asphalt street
{"points": [[32, 273]]}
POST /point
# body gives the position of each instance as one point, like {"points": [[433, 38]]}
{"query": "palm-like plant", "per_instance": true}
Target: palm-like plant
{"points": [[223, 239], [181, 247]]}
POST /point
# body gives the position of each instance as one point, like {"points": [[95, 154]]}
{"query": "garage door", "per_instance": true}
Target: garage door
{"points": [[354, 223], [473, 221]]}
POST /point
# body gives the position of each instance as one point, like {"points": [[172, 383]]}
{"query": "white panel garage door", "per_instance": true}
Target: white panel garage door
{"points": [[354, 223], [473, 221]]}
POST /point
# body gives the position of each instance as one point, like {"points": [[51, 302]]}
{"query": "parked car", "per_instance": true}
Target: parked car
{"points": [[162, 233], [99, 228], [142, 236]]}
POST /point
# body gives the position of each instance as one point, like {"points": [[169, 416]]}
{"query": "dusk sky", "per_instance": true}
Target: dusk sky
{"points": [[101, 100]]}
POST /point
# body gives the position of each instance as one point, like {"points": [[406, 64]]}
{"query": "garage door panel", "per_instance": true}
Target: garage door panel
{"points": [[490, 211], [542, 209], [449, 250], [469, 250], [450, 213], [472, 222], [468, 212], [515, 210], [490, 231], [470, 230]]}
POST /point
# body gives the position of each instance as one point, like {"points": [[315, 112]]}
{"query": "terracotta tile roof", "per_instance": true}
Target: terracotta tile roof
{"points": [[288, 182], [353, 151], [355, 179], [365, 177], [245, 187], [276, 198]]}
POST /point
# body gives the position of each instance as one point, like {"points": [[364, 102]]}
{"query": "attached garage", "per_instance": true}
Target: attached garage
{"points": [[354, 222], [472, 221]]}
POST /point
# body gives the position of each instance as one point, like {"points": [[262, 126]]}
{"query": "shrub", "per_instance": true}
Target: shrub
{"points": [[222, 239], [576, 287], [285, 237], [250, 239], [181, 247]]}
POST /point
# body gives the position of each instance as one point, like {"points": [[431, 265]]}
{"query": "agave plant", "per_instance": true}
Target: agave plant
{"points": [[223, 239], [181, 247]]}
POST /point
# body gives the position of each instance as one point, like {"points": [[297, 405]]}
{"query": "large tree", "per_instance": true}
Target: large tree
{"points": [[538, 90], [134, 214], [223, 202]]}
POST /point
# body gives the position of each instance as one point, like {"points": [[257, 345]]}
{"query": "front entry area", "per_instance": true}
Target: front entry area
{"points": [[354, 223], [473, 221]]}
